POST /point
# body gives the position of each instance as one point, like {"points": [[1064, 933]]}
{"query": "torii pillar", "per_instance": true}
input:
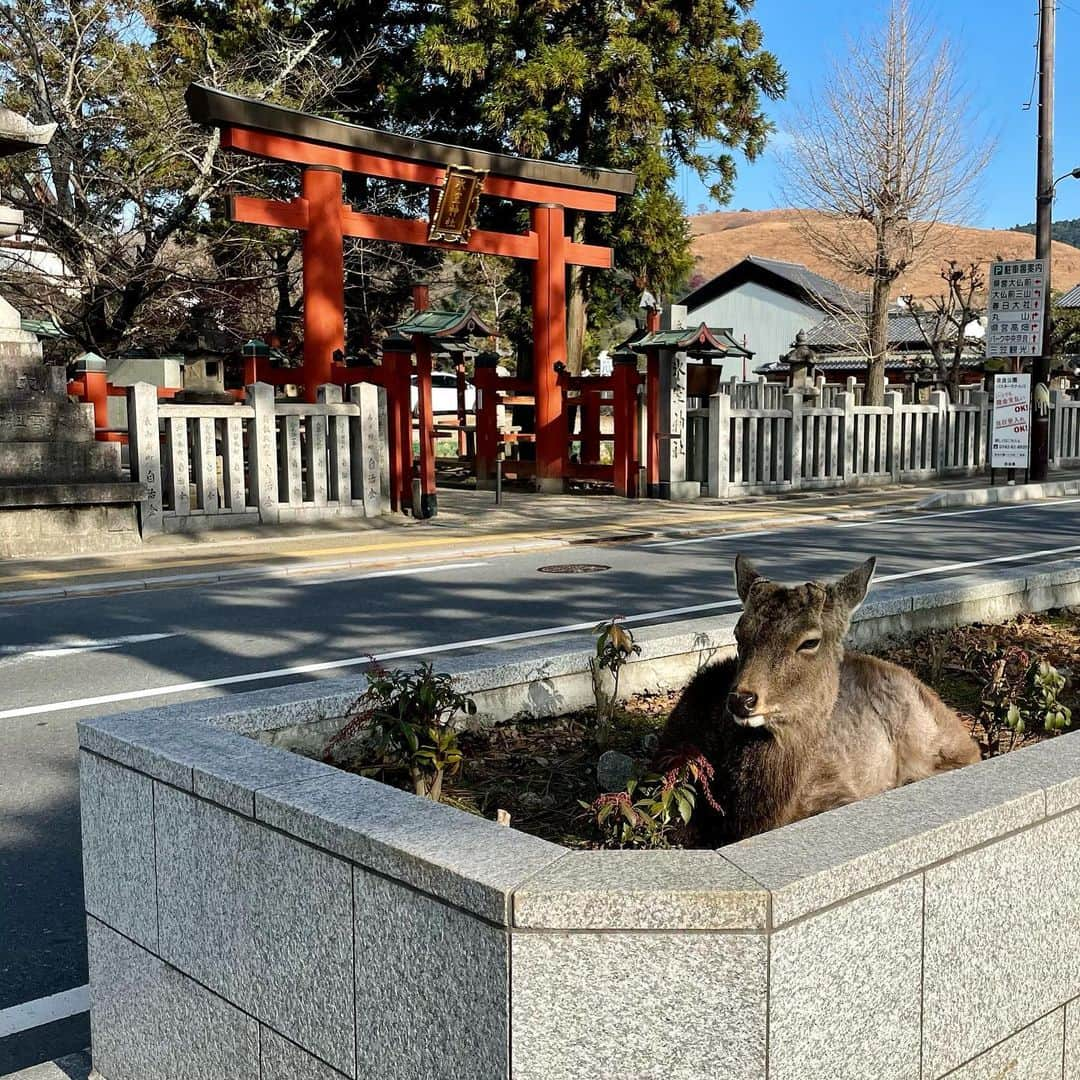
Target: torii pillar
{"points": [[549, 342], [324, 275]]}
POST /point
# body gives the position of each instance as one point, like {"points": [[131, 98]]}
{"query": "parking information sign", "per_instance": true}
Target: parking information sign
{"points": [[1010, 435], [1016, 308]]}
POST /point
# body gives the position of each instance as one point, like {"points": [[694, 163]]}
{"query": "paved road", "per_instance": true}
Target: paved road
{"points": [[63, 660]]}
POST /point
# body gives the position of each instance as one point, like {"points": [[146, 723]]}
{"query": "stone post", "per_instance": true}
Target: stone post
{"points": [[939, 399], [1057, 399], [793, 403], [370, 460], [846, 401], [719, 442], [145, 451], [894, 401], [337, 430], [672, 421], [263, 452]]}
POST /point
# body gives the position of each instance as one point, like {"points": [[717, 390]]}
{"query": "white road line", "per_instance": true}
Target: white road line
{"points": [[293, 579], [950, 567], [77, 645], [452, 646], [46, 1010], [862, 523]]}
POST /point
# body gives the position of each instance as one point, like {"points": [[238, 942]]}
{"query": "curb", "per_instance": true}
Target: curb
{"points": [[989, 496]]}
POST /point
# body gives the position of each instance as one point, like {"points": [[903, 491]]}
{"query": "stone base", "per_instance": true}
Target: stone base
{"points": [[32, 532], [680, 490]]}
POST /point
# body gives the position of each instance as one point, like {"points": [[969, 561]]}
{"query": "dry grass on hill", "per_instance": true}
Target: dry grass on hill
{"points": [[722, 239]]}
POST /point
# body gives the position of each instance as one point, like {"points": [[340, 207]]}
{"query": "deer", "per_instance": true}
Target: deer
{"points": [[794, 724]]}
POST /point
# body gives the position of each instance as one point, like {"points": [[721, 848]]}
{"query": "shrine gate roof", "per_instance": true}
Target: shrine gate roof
{"points": [[441, 325], [215, 107]]}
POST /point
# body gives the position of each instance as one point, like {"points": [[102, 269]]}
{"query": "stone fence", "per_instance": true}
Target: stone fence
{"points": [[257, 915], [266, 461], [747, 451]]}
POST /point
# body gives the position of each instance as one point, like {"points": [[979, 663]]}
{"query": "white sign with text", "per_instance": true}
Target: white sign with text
{"points": [[1010, 434], [1016, 308]]}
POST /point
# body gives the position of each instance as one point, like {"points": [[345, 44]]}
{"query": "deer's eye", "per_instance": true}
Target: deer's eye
{"points": [[809, 645]]}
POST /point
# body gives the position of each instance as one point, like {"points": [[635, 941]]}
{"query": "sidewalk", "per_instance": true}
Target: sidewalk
{"points": [[73, 1067], [469, 524]]}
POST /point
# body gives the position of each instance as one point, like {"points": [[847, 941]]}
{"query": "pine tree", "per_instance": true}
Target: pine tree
{"points": [[647, 85]]}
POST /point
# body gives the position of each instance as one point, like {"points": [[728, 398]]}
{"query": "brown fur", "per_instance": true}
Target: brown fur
{"points": [[836, 726]]}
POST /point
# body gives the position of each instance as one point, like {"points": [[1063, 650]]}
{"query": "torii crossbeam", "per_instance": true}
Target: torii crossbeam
{"points": [[328, 148]]}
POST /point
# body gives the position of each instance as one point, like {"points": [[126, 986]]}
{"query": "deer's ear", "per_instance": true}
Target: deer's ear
{"points": [[850, 591], [746, 576]]}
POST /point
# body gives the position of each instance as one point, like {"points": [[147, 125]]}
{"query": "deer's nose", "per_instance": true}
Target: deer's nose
{"points": [[741, 703]]}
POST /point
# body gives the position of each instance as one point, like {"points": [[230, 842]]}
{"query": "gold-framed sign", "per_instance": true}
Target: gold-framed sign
{"points": [[454, 216]]}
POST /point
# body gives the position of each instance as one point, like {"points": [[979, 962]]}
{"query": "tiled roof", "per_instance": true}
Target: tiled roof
{"points": [[858, 363], [702, 337], [1071, 299], [843, 332], [442, 324], [792, 279]]}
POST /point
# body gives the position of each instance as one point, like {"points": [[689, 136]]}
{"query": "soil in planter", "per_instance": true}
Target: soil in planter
{"points": [[539, 771]]}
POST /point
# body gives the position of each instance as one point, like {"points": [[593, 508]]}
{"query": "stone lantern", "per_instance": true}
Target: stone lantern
{"points": [[800, 362]]}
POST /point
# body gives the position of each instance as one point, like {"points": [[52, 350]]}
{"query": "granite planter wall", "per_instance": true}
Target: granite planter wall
{"points": [[255, 914]]}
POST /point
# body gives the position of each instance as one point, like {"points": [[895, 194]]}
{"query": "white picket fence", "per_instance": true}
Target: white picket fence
{"points": [[213, 466], [751, 451]]}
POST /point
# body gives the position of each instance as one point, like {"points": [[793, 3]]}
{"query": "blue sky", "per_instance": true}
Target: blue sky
{"points": [[994, 44]]}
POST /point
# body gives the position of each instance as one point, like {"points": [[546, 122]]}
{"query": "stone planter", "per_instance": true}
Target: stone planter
{"points": [[254, 914]]}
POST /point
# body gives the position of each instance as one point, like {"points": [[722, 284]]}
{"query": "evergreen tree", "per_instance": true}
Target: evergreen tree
{"points": [[647, 85]]}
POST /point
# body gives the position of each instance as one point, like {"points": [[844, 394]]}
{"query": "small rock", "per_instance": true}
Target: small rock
{"points": [[613, 770]]}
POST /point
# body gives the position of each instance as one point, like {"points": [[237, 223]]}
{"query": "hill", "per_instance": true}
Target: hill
{"points": [[1067, 230], [721, 239]]}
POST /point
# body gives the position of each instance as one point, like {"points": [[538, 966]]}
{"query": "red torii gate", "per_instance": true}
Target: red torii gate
{"points": [[328, 148]]}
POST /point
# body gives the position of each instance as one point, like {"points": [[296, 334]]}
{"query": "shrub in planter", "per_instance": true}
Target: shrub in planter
{"points": [[405, 720]]}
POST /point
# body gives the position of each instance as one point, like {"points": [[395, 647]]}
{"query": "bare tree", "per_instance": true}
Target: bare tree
{"points": [[885, 154], [126, 199], [944, 320]]}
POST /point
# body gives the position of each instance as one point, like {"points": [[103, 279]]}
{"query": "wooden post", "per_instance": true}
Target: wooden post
{"points": [[487, 420], [324, 276], [549, 341], [97, 393], [590, 426], [398, 366], [459, 371], [625, 463], [429, 500]]}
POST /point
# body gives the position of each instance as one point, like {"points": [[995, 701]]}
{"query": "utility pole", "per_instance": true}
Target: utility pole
{"points": [[1044, 209]]}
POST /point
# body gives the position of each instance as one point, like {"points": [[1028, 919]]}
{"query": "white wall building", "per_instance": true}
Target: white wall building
{"points": [[766, 302]]}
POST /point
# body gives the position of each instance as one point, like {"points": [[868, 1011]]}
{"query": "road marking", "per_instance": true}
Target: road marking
{"points": [[453, 646], [950, 567], [77, 645], [294, 579], [46, 1010], [867, 522]]}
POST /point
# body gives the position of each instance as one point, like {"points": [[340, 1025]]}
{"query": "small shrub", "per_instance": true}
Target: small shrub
{"points": [[405, 720], [655, 809], [1018, 695], [614, 647]]}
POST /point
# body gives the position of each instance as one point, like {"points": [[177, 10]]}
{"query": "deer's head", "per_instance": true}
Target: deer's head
{"points": [[790, 645]]}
